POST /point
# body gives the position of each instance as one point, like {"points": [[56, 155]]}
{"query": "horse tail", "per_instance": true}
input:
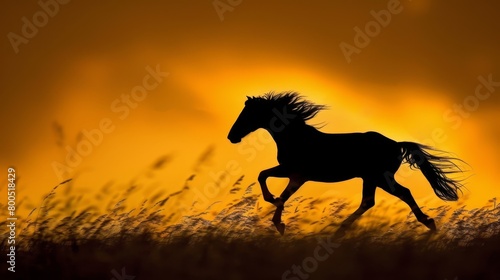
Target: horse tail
{"points": [[435, 168]]}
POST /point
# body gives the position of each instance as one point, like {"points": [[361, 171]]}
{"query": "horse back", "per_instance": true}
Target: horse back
{"points": [[338, 157]]}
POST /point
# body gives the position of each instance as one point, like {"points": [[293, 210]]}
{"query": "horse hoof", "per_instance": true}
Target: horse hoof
{"points": [[280, 227]]}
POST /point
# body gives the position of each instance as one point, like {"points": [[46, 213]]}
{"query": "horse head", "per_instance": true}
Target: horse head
{"points": [[255, 115]]}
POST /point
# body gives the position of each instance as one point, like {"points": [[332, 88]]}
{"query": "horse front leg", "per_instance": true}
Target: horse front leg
{"points": [[277, 171], [279, 202]]}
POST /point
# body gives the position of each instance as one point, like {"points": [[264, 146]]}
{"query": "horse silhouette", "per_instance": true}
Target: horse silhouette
{"points": [[307, 154]]}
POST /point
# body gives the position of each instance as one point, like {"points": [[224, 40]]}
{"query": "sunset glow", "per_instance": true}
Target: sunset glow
{"points": [[62, 85]]}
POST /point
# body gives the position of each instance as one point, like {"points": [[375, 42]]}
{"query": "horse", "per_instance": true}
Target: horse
{"points": [[306, 154]]}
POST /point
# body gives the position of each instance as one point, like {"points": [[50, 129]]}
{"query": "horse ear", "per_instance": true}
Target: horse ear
{"points": [[249, 98]]}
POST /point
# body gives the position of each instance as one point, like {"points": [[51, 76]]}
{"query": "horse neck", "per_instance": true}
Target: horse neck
{"points": [[290, 133]]}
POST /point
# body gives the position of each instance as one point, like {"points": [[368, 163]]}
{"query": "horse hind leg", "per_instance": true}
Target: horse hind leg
{"points": [[367, 202], [390, 185]]}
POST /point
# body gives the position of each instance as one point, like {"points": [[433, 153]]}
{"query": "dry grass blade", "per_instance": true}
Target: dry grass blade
{"points": [[161, 162]]}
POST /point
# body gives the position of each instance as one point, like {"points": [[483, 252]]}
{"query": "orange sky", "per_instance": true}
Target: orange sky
{"points": [[75, 70]]}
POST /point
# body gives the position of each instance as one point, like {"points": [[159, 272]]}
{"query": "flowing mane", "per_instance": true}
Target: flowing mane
{"points": [[294, 103]]}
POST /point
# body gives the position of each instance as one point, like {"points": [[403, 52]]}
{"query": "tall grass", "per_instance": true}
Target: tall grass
{"points": [[168, 236]]}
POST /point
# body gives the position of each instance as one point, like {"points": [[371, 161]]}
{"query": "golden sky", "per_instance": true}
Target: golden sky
{"points": [[413, 75]]}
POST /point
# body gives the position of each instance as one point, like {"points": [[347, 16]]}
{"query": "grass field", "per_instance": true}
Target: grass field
{"points": [[158, 239]]}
